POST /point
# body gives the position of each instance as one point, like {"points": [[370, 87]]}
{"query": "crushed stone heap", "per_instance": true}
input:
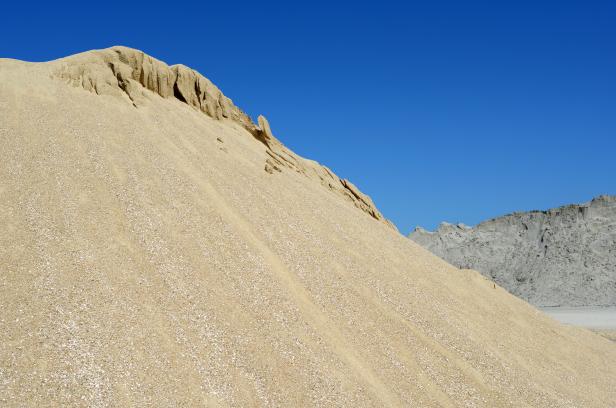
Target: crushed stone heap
{"points": [[564, 256]]}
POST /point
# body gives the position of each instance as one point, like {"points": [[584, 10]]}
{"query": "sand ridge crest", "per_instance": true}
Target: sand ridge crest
{"points": [[123, 71]]}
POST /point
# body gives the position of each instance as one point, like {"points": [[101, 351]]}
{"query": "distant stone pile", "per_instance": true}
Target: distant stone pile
{"points": [[563, 256]]}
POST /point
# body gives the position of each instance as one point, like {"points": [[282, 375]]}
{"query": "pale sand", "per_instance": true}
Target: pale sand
{"points": [[145, 263]]}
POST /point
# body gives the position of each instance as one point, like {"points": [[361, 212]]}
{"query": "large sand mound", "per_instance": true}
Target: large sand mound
{"points": [[158, 248]]}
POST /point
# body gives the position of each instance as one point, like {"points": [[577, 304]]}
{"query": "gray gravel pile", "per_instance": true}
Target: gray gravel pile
{"points": [[563, 256]]}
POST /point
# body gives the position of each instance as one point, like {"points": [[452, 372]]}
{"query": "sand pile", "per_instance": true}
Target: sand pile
{"points": [[159, 248]]}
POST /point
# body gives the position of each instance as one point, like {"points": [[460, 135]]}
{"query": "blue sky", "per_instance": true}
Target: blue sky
{"points": [[440, 110]]}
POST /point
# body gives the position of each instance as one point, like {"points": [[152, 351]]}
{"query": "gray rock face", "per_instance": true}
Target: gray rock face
{"points": [[563, 256]]}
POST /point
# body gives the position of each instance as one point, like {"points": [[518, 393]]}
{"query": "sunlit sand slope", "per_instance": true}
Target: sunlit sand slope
{"points": [[156, 253]]}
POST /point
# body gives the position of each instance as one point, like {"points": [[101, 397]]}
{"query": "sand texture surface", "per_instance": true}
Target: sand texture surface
{"points": [[160, 249]]}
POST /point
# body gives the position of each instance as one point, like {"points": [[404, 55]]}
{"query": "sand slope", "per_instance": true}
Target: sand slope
{"points": [[148, 258]]}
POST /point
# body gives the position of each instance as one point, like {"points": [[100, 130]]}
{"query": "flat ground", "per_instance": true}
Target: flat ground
{"points": [[593, 317], [601, 320]]}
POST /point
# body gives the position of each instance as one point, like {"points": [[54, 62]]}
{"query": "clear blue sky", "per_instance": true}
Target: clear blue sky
{"points": [[440, 110]]}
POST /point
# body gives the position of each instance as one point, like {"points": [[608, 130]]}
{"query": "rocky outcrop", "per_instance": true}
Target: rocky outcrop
{"points": [[563, 256], [129, 73]]}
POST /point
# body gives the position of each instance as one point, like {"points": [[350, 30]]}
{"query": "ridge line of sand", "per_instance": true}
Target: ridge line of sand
{"points": [[319, 320]]}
